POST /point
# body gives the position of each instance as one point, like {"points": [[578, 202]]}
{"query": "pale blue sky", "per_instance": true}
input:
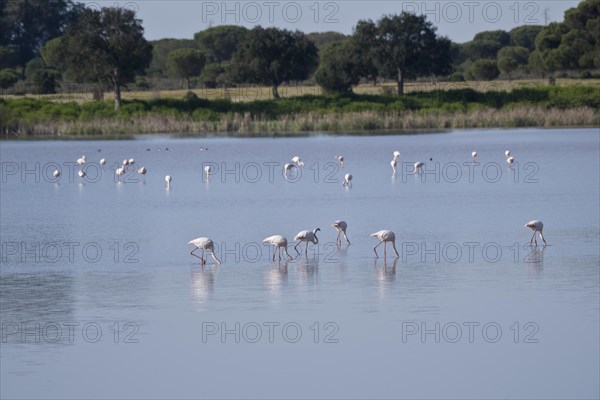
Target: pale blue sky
{"points": [[460, 20]]}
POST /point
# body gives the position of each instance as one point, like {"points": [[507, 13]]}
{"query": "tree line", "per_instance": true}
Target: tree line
{"points": [[49, 42]]}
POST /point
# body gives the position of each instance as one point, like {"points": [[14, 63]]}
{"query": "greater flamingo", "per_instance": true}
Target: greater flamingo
{"points": [[297, 160], [474, 155], [536, 226], [340, 160], [142, 171], [306, 236], [341, 227], [347, 180], [204, 243], [385, 236], [168, 180], [418, 167], [280, 242]]}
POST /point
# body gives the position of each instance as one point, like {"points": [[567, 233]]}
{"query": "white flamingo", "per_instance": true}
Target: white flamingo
{"points": [[396, 154], [142, 171], [394, 164], [81, 160], [507, 153], [204, 244], [287, 168], [102, 161], [306, 236], [81, 174], [168, 180], [131, 161], [385, 236], [297, 160], [340, 160], [207, 171], [474, 155], [56, 173], [510, 160], [347, 180], [341, 227], [418, 167], [536, 226], [280, 242], [119, 172]]}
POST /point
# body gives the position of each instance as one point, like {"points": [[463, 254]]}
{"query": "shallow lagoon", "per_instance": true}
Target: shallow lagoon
{"points": [[468, 310]]}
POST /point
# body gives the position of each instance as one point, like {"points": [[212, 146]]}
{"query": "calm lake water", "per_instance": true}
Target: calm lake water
{"points": [[100, 297]]}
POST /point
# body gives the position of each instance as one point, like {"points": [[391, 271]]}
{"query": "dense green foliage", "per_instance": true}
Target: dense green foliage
{"points": [[186, 63], [484, 70], [25, 25], [273, 56], [572, 44], [338, 69], [403, 46], [19, 113], [106, 46]]}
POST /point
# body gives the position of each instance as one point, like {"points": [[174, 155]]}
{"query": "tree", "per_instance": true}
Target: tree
{"points": [[364, 41], [404, 46], [186, 63], [487, 44], [219, 43], [25, 25], [338, 69], [485, 70], [106, 46], [8, 77], [160, 52], [7, 58], [43, 77], [273, 56], [524, 36], [572, 44], [321, 39], [512, 57]]}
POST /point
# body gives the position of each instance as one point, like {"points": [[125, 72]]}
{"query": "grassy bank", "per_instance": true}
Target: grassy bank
{"points": [[544, 106]]}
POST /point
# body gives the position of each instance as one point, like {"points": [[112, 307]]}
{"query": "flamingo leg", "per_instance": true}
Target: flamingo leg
{"points": [[394, 246], [384, 250], [203, 260], [375, 249], [306, 250], [346, 238], [287, 254], [532, 237], [337, 239], [295, 247]]}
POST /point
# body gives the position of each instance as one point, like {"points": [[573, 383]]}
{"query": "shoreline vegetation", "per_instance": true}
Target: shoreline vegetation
{"points": [[541, 106]]}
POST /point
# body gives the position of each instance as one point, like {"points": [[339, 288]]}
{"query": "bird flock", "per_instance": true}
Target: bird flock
{"points": [[384, 236], [280, 242]]}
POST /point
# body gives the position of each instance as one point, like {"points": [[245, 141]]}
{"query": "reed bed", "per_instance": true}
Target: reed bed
{"points": [[247, 125]]}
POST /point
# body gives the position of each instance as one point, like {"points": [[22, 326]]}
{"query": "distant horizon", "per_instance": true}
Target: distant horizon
{"points": [[458, 20]]}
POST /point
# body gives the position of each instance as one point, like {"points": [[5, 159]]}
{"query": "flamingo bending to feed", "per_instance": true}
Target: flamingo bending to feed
{"points": [[340, 160], [81, 160], [418, 167], [297, 160], [102, 161], [280, 242], [204, 243], [341, 227], [510, 160], [385, 236], [536, 226], [142, 171], [347, 180]]}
